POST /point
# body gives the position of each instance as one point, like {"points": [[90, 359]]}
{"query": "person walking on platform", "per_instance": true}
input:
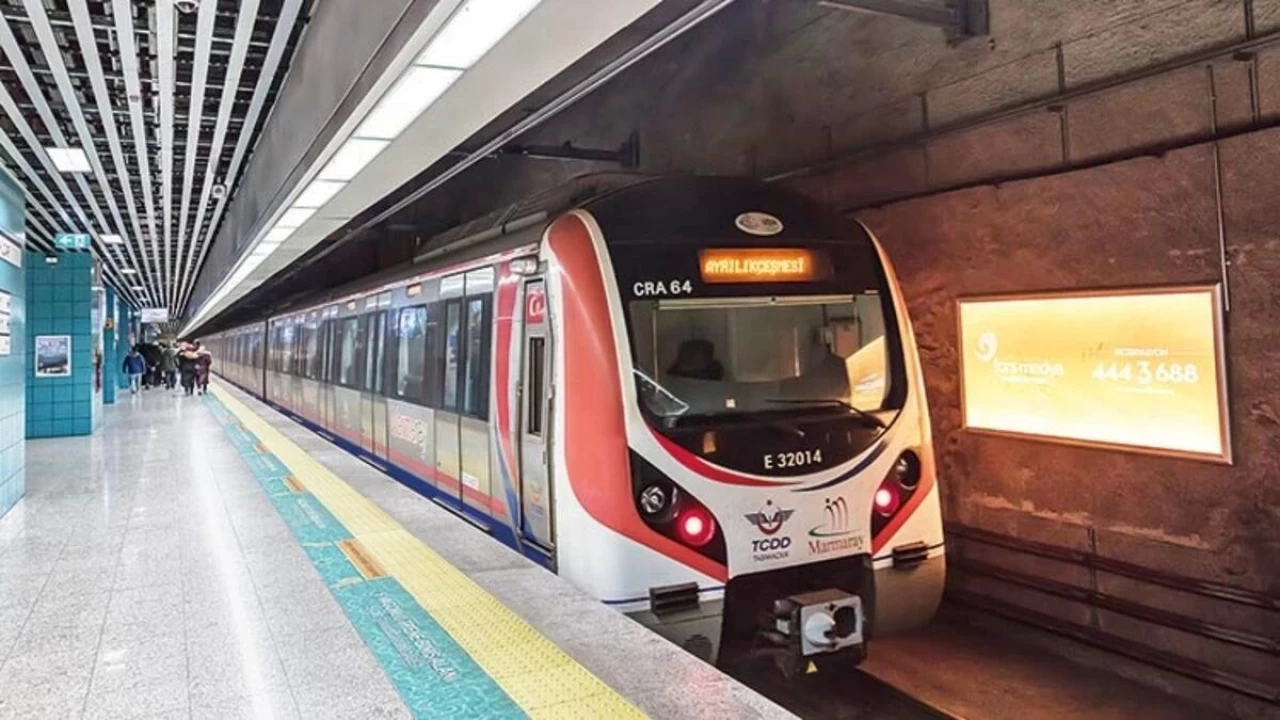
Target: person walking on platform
{"points": [[135, 366], [169, 366], [187, 369], [204, 361]]}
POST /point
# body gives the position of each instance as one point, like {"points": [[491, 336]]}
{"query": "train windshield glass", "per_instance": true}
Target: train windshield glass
{"points": [[699, 358]]}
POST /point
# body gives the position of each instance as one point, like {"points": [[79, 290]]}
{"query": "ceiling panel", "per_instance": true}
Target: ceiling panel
{"points": [[165, 100]]}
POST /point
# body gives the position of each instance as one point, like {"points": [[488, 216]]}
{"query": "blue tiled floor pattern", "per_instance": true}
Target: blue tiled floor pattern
{"points": [[435, 677]]}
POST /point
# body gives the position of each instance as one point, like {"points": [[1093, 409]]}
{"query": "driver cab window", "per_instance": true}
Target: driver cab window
{"points": [[710, 358]]}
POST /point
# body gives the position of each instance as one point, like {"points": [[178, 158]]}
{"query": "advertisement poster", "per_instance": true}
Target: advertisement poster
{"points": [[1138, 369], [53, 356]]}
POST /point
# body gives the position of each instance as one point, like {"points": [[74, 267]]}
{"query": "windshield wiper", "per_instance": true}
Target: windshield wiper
{"points": [[866, 417]]}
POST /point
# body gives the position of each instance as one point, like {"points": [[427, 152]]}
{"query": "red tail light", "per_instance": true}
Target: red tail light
{"points": [[695, 526], [886, 500]]}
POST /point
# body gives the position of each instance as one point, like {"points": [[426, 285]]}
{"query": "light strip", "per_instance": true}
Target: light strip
{"points": [[473, 31], [468, 35], [351, 158], [166, 62], [318, 193], [128, 51], [19, 119], [246, 19], [205, 18], [416, 90], [279, 40], [106, 115]]}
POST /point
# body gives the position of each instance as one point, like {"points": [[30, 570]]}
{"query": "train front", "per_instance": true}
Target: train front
{"points": [[782, 497]]}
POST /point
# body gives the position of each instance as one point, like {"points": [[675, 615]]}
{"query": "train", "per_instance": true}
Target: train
{"points": [[699, 399]]}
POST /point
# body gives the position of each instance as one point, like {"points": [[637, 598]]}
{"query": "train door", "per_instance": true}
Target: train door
{"points": [[328, 335], [373, 403], [474, 437], [535, 418], [447, 426]]}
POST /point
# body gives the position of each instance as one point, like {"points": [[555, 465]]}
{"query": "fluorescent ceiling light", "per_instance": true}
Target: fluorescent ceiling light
{"points": [[412, 93], [277, 235], [69, 160], [318, 193], [128, 271], [294, 217], [139, 289], [112, 240], [473, 31], [351, 158]]}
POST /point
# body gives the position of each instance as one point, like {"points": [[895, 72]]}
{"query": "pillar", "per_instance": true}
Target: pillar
{"points": [[61, 344], [13, 322]]}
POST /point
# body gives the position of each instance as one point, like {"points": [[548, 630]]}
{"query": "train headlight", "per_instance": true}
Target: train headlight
{"points": [[886, 501], [653, 500], [695, 526], [907, 470]]}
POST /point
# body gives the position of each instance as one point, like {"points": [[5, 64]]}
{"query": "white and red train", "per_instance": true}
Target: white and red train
{"points": [[699, 399]]}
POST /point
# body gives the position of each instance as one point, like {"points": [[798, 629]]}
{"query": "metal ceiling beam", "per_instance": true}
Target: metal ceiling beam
{"points": [[244, 30], [34, 180], [89, 55], [128, 50], [279, 41], [165, 62], [204, 35], [8, 42]]}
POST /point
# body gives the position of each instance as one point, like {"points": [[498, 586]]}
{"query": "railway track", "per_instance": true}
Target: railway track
{"points": [[836, 696]]}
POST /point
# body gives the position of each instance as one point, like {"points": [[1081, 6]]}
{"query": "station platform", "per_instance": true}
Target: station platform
{"points": [[206, 557]]}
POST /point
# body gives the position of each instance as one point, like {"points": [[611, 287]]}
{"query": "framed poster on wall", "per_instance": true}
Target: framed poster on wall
{"points": [[53, 356], [1141, 370]]}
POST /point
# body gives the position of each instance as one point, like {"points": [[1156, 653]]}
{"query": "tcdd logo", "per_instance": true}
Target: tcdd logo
{"points": [[769, 519], [772, 543]]}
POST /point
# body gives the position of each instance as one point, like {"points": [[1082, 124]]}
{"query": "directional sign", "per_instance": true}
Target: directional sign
{"points": [[72, 241], [155, 315]]}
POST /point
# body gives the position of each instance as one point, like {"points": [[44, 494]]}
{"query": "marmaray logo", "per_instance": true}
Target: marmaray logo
{"points": [[769, 519], [837, 519]]}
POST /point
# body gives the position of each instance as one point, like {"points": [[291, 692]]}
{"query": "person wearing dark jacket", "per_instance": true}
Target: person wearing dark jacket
{"points": [[169, 366], [204, 361], [134, 366], [187, 369]]}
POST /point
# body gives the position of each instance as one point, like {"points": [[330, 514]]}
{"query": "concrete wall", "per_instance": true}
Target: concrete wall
{"points": [[60, 302], [13, 361]]}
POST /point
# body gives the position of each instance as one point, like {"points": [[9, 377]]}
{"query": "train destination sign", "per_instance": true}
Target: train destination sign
{"points": [[1139, 369], [761, 265]]}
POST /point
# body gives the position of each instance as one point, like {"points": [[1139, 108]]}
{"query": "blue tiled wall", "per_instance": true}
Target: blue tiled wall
{"points": [[59, 302], [12, 366], [111, 360], [126, 334]]}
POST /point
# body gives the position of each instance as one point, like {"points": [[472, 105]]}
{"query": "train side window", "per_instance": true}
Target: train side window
{"points": [[410, 353], [348, 330], [373, 354], [434, 362], [475, 384], [315, 353], [361, 349], [452, 349], [536, 383]]}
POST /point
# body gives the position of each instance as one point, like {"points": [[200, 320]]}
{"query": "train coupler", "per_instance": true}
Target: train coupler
{"points": [[823, 627]]}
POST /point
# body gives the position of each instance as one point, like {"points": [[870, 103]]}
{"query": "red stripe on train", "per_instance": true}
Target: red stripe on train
{"points": [[595, 443]]}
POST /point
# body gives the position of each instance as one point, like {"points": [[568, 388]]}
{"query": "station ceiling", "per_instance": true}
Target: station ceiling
{"points": [[164, 100]]}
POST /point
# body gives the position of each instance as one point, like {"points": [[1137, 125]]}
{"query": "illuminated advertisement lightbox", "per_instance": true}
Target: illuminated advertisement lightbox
{"points": [[1129, 369]]}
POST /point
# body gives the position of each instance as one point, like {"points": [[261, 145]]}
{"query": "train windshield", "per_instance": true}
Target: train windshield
{"points": [[719, 357]]}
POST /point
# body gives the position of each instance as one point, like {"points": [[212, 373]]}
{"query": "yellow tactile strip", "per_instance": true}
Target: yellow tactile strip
{"points": [[532, 670]]}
